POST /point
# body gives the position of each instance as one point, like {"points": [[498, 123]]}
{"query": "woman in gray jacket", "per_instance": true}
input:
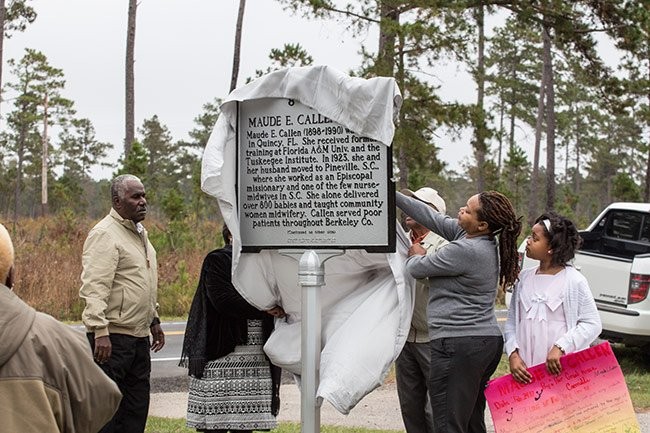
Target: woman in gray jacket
{"points": [[466, 342]]}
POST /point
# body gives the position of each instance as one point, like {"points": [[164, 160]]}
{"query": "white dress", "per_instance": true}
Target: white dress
{"points": [[541, 316]]}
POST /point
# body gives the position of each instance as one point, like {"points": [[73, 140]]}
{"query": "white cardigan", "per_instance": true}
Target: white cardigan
{"points": [[582, 318]]}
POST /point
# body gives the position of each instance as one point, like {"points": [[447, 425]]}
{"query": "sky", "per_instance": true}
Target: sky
{"points": [[183, 57]]}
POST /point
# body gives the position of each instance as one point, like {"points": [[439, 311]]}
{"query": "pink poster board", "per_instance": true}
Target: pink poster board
{"points": [[589, 396]]}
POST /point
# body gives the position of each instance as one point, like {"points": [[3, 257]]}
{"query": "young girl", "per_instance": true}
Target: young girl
{"points": [[552, 310]]}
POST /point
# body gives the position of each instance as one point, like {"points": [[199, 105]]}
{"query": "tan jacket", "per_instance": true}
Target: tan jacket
{"points": [[119, 278], [419, 330], [49, 382]]}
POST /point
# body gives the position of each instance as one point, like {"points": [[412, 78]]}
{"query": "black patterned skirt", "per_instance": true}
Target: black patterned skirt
{"points": [[235, 390]]}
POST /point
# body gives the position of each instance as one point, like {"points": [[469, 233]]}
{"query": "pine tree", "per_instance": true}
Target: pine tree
{"points": [[80, 151], [38, 106], [15, 15], [157, 141], [189, 163], [135, 163]]}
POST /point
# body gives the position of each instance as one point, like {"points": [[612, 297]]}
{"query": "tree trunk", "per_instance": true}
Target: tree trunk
{"points": [[3, 17], [566, 164], [480, 128], [385, 66], [129, 111], [44, 163], [576, 182], [20, 156], [402, 152], [237, 50], [550, 121], [385, 54], [502, 115], [533, 199], [646, 192], [512, 121]]}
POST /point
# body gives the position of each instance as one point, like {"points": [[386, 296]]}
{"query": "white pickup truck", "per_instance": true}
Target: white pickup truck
{"points": [[615, 259]]}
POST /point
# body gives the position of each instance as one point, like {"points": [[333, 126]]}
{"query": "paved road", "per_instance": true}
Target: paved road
{"points": [[167, 376], [165, 362]]}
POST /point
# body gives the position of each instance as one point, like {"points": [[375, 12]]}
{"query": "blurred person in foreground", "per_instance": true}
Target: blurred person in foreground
{"points": [[412, 365], [48, 380], [119, 285], [233, 386]]}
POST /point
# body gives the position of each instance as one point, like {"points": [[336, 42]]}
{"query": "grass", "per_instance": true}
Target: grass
{"points": [[167, 425], [636, 369]]}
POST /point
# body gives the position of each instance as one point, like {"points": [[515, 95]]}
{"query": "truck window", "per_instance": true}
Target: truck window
{"points": [[645, 230], [625, 225]]}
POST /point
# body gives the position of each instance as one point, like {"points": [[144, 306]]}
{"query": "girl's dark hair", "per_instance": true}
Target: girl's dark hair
{"points": [[497, 211], [563, 237], [226, 234]]}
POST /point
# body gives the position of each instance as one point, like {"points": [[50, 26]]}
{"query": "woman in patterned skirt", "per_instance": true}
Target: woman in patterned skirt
{"points": [[233, 386]]}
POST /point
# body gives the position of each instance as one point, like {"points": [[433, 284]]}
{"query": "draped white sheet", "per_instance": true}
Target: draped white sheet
{"points": [[367, 298]]}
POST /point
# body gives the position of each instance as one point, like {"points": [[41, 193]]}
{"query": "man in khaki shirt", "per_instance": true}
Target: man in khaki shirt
{"points": [[412, 365], [119, 285]]}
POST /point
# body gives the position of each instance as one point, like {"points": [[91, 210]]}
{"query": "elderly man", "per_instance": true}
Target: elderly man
{"points": [[48, 380], [412, 365], [119, 285]]}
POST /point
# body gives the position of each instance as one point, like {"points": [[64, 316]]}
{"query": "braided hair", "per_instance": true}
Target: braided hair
{"points": [[497, 211], [225, 232], [563, 237]]}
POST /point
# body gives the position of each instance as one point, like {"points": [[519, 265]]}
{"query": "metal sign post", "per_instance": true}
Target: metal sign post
{"points": [[311, 276]]}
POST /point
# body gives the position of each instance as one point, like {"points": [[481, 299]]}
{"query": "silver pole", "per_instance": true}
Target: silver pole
{"points": [[311, 276]]}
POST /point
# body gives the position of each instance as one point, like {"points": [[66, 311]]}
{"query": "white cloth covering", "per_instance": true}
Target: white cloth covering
{"points": [[367, 298]]}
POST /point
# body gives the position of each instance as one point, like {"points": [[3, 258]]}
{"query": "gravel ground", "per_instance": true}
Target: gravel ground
{"points": [[378, 410]]}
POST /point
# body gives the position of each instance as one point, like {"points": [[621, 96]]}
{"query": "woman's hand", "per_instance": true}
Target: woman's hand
{"points": [[417, 250], [553, 364], [277, 311], [518, 368]]}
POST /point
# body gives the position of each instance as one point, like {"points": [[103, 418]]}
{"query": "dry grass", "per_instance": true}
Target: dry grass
{"points": [[48, 262]]}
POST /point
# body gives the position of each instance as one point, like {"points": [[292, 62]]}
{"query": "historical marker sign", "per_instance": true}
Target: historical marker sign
{"points": [[307, 182]]}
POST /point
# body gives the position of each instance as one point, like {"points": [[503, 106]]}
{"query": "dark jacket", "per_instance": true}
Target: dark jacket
{"points": [[218, 318]]}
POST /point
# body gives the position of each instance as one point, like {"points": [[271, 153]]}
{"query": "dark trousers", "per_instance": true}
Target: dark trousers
{"points": [[130, 367], [460, 370], [412, 374]]}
